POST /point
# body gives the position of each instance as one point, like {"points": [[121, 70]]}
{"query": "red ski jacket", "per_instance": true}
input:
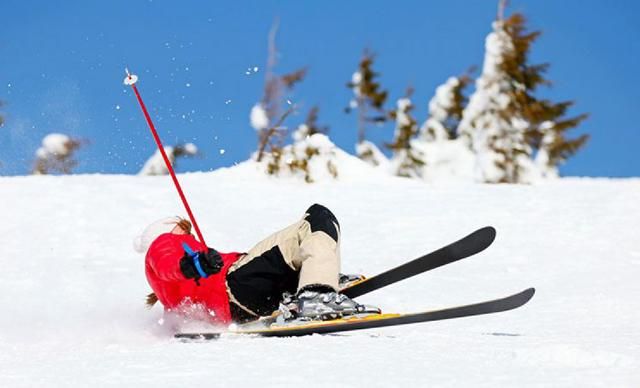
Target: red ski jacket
{"points": [[162, 267]]}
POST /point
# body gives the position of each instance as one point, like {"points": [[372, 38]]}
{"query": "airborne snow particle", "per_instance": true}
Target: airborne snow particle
{"points": [[188, 85], [222, 151], [227, 102], [117, 107]]}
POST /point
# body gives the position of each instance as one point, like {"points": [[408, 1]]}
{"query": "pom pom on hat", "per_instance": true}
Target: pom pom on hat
{"points": [[142, 242]]}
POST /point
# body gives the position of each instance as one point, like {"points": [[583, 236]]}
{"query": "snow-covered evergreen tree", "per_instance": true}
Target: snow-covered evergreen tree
{"points": [[312, 154], [504, 123], [406, 161], [56, 154], [547, 122], [445, 110], [445, 156], [554, 149], [368, 97], [155, 164], [491, 128]]}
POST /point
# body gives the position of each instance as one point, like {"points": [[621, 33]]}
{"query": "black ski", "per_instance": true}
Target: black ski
{"points": [[376, 321], [470, 245]]}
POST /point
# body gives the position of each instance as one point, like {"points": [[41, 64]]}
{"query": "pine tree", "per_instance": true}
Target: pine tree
{"points": [[446, 108], [444, 155], [504, 122], [547, 124], [369, 100], [406, 161]]}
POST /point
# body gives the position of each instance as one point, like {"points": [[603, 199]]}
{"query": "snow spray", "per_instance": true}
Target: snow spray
{"points": [[131, 80]]}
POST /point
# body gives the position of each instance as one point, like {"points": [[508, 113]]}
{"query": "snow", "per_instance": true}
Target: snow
{"points": [[440, 105], [446, 160], [369, 152], [155, 165], [190, 149], [72, 289], [443, 99], [300, 133], [259, 118], [356, 80], [54, 144], [403, 106]]}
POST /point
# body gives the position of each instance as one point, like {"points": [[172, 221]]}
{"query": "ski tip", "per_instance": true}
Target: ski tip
{"points": [[526, 295], [491, 231], [530, 292]]}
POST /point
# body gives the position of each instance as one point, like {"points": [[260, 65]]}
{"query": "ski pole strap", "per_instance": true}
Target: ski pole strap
{"points": [[196, 259], [196, 262]]}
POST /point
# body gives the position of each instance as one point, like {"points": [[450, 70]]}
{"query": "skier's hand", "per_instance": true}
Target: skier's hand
{"points": [[201, 264]]}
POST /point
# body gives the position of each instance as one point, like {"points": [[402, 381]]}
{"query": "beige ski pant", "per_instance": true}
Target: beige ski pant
{"points": [[310, 247]]}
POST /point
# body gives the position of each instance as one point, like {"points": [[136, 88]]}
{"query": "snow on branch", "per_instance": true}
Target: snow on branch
{"points": [[56, 154], [155, 164]]}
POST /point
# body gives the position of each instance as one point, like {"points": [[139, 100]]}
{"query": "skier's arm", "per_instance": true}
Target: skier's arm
{"points": [[165, 262], [196, 265], [174, 260]]}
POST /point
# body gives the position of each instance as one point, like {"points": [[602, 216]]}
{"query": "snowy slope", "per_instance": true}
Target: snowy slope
{"points": [[72, 288]]}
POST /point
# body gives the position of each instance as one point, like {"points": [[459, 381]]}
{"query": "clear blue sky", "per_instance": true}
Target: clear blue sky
{"points": [[62, 69]]}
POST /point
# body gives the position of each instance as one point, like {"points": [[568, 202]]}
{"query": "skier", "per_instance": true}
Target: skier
{"points": [[296, 269]]}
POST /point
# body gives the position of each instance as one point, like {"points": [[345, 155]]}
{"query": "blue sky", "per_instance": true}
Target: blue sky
{"points": [[63, 64]]}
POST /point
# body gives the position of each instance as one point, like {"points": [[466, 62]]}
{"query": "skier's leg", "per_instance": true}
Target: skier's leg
{"points": [[319, 263], [303, 254], [319, 255]]}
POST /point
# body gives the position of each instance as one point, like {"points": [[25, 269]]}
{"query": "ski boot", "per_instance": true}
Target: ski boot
{"points": [[322, 304]]}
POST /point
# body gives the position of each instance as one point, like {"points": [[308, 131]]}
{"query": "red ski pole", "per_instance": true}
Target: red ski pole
{"points": [[131, 80]]}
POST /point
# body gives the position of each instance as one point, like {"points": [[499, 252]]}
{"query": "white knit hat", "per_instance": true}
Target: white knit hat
{"points": [[142, 242]]}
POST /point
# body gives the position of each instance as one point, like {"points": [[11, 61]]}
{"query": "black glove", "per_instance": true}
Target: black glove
{"points": [[210, 263]]}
